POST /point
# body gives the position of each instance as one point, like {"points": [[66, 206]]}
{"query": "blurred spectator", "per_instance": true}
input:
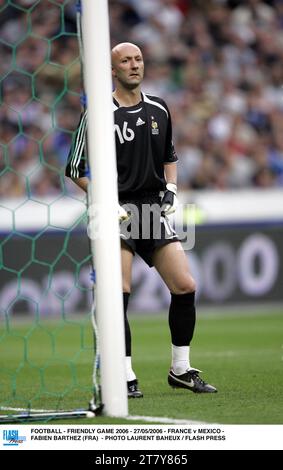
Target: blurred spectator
{"points": [[218, 64]]}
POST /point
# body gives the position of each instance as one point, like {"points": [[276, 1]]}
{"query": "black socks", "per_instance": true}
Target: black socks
{"points": [[128, 339], [182, 318]]}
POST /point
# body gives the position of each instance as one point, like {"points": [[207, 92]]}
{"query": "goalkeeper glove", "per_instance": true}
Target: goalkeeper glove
{"points": [[122, 214], [169, 201]]}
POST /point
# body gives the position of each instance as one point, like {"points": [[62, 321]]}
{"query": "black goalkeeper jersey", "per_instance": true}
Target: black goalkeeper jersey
{"points": [[144, 144]]}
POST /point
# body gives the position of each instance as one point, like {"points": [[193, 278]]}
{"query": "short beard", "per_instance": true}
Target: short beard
{"points": [[130, 85]]}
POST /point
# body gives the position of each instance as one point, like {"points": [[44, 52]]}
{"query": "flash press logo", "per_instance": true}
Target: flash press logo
{"points": [[11, 437]]}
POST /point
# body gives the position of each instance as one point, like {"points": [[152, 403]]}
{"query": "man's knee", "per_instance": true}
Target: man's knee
{"points": [[185, 285]]}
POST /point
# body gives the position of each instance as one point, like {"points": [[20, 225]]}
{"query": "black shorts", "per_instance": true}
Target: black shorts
{"points": [[147, 228]]}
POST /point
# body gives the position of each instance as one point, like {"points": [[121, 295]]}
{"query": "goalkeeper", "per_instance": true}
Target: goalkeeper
{"points": [[147, 178]]}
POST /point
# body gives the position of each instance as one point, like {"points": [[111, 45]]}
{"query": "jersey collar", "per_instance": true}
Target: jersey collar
{"points": [[129, 107]]}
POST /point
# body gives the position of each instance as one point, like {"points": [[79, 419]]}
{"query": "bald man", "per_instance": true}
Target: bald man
{"points": [[147, 187]]}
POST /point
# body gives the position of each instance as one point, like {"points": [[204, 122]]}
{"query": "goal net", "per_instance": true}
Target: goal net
{"points": [[48, 360]]}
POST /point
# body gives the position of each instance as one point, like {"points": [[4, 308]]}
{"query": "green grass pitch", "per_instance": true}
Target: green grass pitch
{"points": [[49, 364]]}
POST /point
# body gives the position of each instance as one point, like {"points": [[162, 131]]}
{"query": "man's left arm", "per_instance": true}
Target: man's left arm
{"points": [[170, 172], [169, 201]]}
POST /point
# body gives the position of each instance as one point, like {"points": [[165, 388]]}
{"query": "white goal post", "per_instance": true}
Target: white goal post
{"points": [[103, 191]]}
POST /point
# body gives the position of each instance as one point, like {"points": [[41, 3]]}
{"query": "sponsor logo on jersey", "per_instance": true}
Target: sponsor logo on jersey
{"points": [[140, 122]]}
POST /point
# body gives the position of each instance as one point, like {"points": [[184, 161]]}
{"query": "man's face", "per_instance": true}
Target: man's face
{"points": [[128, 66]]}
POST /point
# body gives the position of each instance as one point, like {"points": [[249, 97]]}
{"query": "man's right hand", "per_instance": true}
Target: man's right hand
{"points": [[122, 214]]}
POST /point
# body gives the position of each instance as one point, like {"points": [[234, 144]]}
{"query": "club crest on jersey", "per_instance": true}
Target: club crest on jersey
{"points": [[154, 128]]}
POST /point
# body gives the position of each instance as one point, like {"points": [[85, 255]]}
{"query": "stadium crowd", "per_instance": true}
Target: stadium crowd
{"points": [[217, 63]]}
